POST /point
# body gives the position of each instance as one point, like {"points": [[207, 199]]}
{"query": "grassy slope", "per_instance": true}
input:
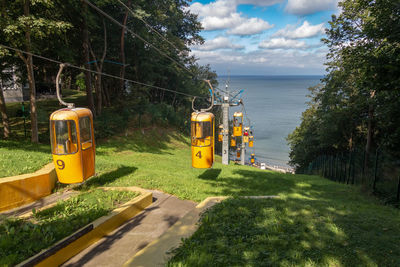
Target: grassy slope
{"points": [[315, 222], [22, 157]]}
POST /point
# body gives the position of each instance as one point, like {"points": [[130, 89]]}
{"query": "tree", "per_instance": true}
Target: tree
{"points": [[357, 95], [4, 116], [25, 24]]}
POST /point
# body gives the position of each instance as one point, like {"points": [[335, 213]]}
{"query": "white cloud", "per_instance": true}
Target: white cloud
{"points": [[305, 7], [222, 8], [264, 62], [304, 31], [219, 9], [258, 2], [251, 26], [218, 23], [218, 43], [282, 43], [221, 15]]}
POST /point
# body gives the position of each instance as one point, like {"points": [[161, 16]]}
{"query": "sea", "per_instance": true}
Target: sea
{"points": [[273, 105]]}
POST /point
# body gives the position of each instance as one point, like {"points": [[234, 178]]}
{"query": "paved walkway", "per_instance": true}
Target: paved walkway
{"points": [[119, 246]]}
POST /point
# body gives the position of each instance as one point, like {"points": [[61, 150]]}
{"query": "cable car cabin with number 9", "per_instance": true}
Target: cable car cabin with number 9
{"points": [[202, 128], [237, 123], [72, 144]]}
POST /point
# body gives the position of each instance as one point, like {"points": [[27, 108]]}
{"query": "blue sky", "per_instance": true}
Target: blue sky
{"points": [[263, 37]]}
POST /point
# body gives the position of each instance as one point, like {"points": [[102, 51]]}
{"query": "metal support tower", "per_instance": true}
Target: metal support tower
{"points": [[225, 136], [225, 104], [243, 152]]}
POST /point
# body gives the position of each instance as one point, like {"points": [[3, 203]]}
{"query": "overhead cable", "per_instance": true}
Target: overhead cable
{"points": [[137, 36], [148, 25], [97, 72]]}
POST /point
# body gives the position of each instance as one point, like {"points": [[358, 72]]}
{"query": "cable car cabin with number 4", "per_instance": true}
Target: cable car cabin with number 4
{"points": [[202, 128], [72, 144], [237, 123]]}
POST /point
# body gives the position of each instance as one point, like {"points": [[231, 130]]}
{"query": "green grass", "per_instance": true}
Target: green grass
{"points": [[316, 222], [44, 108], [20, 157], [293, 231], [23, 238]]}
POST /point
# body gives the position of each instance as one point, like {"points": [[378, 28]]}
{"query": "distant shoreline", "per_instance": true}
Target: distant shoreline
{"points": [[277, 76]]}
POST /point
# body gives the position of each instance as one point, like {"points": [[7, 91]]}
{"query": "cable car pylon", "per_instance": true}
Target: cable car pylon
{"points": [[226, 103], [72, 140]]}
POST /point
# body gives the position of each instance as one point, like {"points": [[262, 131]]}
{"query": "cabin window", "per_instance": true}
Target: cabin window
{"points": [[201, 133], [237, 121], [63, 137], [85, 128]]}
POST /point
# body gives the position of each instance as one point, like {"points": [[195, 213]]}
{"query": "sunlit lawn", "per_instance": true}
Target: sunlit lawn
{"points": [[19, 157], [315, 222]]}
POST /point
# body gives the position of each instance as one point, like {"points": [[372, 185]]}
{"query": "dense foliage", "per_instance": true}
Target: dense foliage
{"points": [[357, 105], [149, 45]]}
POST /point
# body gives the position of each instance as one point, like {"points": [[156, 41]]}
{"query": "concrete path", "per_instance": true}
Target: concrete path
{"points": [[157, 252], [119, 246]]}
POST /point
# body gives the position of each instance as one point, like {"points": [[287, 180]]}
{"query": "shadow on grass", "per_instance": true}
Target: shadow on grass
{"points": [[106, 178], [24, 145], [29, 237], [252, 183], [155, 140], [211, 174], [316, 223]]}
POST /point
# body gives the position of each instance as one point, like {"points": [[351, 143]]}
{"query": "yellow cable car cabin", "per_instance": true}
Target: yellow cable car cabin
{"points": [[237, 123], [251, 141], [238, 152], [220, 133], [233, 141], [252, 158], [246, 134], [202, 131], [72, 144]]}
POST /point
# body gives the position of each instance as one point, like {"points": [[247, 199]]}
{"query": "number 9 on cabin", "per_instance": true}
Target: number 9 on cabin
{"points": [[202, 132], [72, 144]]}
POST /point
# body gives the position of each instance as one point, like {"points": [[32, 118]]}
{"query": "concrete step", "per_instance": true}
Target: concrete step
{"points": [[118, 247]]}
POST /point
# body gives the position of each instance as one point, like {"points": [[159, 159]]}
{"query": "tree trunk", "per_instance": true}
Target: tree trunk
{"points": [[106, 98], [86, 59], [99, 97], [31, 80], [122, 55], [3, 111], [99, 68], [173, 101], [369, 137]]}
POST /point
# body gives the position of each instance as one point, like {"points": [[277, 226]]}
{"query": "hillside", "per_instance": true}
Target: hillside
{"points": [[314, 222]]}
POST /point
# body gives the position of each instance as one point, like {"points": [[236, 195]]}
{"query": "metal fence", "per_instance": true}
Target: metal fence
{"points": [[378, 172]]}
